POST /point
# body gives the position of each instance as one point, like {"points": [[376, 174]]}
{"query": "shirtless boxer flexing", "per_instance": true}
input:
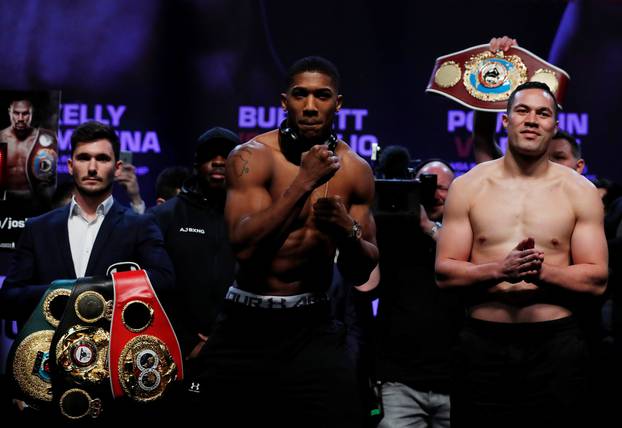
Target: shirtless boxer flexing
{"points": [[295, 195]]}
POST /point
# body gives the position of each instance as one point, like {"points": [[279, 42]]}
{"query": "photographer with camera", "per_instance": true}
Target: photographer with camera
{"points": [[437, 175], [418, 322]]}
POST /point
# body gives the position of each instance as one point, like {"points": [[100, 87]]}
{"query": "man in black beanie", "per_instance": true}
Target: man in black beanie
{"points": [[195, 237]]}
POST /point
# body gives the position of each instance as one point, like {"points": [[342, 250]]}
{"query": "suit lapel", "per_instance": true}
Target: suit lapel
{"points": [[62, 240], [111, 220]]}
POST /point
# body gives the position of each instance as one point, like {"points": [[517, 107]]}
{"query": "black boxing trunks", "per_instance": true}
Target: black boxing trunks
{"points": [[253, 300], [265, 351], [520, 374]]}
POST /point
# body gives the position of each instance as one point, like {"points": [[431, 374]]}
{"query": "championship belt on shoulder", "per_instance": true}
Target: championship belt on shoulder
{"points": [[144, 354], [29, 357], [80, 348], [482, 80], [42, 162]]}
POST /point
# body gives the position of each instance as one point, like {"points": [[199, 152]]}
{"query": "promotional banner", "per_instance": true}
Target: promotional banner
{"points": [[28, 158]]}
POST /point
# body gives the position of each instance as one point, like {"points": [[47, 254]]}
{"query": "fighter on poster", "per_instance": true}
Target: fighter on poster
{"points": [[28, 157]]}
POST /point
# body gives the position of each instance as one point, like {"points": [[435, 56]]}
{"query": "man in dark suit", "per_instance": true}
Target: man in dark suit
{"points": [[86, 236]]}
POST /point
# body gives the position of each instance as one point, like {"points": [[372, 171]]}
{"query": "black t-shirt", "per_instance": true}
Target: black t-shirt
{"points": [[418, 322]]}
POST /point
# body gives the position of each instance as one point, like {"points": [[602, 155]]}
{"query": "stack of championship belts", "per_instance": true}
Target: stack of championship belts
{"points": [[94, 344], [482, 80]]}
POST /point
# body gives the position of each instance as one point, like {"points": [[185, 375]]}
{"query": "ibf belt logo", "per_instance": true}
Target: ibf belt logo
{"points": [[192, 230], [195, 387]]}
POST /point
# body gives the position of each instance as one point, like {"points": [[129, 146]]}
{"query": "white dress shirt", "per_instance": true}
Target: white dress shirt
{"points": [[82, 233]]}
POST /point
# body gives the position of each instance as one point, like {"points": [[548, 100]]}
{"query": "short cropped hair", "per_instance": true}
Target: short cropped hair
{"points": [[575, 147], [18, 99], [394, 162], [170, 180], [532, 85], [317, 64], [92, 131]]}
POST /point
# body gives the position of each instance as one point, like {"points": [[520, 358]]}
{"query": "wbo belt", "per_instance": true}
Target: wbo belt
{"points": [[274, 302], [482, 80]]}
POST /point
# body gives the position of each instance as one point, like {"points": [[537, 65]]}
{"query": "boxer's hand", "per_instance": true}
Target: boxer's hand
{"points": [[198, 347], [126, 177], [425, 223], [317, 166], [502, 43], [523, 262], [331, 216]]}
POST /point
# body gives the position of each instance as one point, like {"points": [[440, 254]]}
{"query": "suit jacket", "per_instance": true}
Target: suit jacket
{"points": [[43, 255]]}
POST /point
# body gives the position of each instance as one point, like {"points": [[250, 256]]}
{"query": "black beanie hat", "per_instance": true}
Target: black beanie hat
{"points": [[213, 142]]}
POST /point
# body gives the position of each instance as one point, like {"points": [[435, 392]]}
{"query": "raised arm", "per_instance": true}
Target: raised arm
{"points": [[588, 271], [485, 147], [257, 220]]}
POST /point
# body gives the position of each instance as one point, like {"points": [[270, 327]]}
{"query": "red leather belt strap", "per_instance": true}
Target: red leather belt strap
{"points": [[131, 288]]}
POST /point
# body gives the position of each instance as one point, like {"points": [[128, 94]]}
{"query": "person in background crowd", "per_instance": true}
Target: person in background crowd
{"points": [[418, 322], [195, 236], [169, 182]]}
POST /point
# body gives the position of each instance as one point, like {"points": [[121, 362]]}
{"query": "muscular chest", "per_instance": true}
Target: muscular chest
{"points": [[18, 153], [505, 213], [336, 186]]}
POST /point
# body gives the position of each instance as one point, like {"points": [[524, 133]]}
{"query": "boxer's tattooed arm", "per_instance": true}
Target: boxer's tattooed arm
{"points": [[242, 167]]}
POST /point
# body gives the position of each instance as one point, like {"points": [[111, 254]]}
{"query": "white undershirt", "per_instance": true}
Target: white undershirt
{"points": [[82, 233]]}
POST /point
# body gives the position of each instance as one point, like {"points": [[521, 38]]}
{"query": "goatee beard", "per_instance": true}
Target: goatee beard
{"points": [[22, 134]]}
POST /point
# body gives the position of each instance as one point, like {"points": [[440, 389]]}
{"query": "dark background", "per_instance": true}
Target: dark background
{"points": [[181, 67]]}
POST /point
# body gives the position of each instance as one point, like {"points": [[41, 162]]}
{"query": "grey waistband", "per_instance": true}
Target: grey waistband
{"points": [[274, 302]]}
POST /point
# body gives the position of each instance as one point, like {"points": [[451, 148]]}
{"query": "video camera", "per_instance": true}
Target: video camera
{"points": [[403, 197]]}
